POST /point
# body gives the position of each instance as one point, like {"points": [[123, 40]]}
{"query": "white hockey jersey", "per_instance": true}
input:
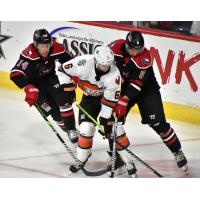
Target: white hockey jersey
{"points": [[109, 85]]}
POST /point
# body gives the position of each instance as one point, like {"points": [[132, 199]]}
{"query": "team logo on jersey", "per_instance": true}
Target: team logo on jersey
{"points": [[145, 61], [81, 62], [28, 52], [94, 93]]}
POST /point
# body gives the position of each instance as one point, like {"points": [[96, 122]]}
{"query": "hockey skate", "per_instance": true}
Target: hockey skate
{"points": [[73, 135], [119, 165], [78, 165], [131, 169], [181, 160]]}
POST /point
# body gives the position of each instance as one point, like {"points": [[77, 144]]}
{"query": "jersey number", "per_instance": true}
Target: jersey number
{"points": [[23, 65], [117, 94], [68, 66]]}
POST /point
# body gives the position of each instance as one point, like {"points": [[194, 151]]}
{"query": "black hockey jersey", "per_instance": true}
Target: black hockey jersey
{"points": [[137, 72], [31, 68]]}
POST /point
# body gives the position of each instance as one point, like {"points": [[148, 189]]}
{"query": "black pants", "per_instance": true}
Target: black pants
{"points": [[151, 109], [92, 105], [150, 105], [51, 96]]}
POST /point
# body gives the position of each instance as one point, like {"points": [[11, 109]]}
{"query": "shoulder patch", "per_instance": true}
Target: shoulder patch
{"points": [[115, 47], [81, 62], [144, 60], [30, 53]]}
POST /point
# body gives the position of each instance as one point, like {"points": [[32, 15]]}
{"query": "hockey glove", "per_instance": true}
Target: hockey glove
{"points": [[121, 108], [31, 94]]}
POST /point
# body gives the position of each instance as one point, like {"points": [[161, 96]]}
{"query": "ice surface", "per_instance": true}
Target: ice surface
{"points": [[30, 149]]}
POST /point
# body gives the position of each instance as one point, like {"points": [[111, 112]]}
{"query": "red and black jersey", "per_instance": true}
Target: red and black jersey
{"points": [[137, 71], [31, 68]]}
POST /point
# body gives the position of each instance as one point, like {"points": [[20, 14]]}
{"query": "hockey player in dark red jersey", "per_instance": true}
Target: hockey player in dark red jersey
{"points": [[35, 73], [140, 87]]}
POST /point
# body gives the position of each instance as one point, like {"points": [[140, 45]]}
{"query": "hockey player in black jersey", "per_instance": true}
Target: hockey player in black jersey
{"points": [[140, 87], [35, 73]]}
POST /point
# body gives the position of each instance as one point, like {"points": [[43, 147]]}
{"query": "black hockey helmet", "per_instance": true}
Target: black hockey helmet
{"points": [[41, 36], [135, 40]]}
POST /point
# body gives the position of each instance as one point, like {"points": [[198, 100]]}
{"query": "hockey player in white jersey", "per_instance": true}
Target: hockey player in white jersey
{"points": [[100, 81]]}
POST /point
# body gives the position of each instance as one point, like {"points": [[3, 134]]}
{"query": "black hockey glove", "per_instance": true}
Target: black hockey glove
{"points": [[107, 125]]}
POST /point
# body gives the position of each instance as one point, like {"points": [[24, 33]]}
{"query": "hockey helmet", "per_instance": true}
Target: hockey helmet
{"points": [[41, 36], [103, 55], [134, 40]]}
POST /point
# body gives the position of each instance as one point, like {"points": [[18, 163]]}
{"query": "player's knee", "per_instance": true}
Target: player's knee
{"points": [[122, 142], [87, 129], [85, 139], [160, 127], [122, 139]]}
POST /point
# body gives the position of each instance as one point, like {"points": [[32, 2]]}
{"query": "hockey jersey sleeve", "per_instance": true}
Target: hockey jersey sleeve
{"points": [[65, 56], [60, 53], [136, 82], [111, 94], [21, 72]]}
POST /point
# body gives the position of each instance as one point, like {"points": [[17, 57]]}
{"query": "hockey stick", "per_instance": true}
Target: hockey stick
{"points": [[86, 172], [113, 159], [130, 152]]}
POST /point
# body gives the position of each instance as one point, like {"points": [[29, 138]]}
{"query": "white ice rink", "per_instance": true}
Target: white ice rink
{"points": [[28, 147]]}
